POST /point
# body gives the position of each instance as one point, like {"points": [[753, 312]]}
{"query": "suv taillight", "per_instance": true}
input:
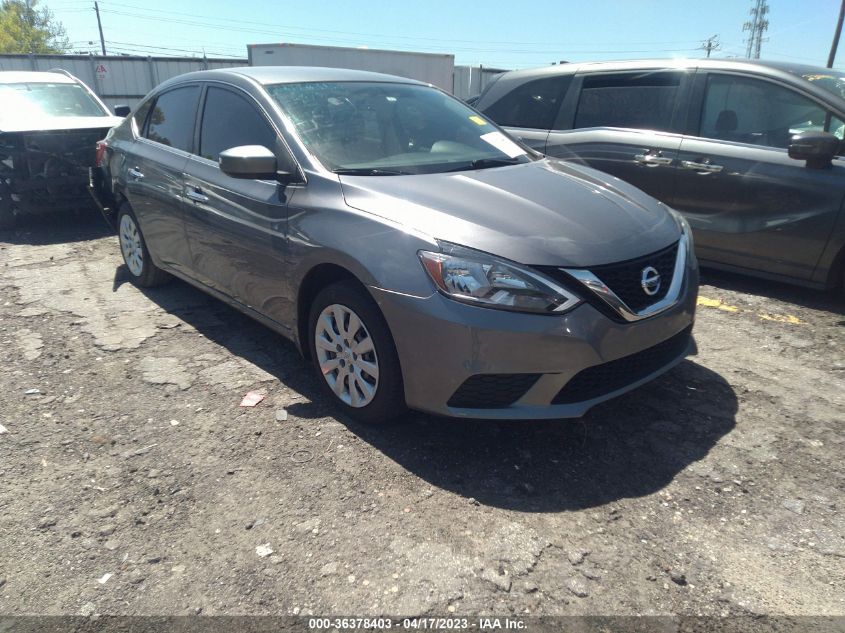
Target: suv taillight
{"points": [[101, 152]]}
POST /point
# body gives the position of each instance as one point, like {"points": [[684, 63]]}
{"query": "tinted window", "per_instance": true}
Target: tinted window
{"points": [[639, 101], [172, 119], [758, 112], [140, 116], [228, 121], [533, 104]]}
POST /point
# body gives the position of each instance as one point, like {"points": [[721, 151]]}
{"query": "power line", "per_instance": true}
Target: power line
{"points": [[711, 44]]}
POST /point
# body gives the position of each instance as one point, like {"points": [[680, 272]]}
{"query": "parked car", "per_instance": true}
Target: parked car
{"points": [[712, 139], [49, 123], [411, 249]]}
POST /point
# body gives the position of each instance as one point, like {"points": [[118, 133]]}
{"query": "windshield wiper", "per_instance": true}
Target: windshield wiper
{"points": [[369, 171], [484, 163]]}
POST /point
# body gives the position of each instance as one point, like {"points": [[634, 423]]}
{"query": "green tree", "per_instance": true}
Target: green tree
{"points": [[28, 28]]}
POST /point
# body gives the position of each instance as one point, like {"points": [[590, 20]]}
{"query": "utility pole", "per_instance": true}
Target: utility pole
{"points": [[712, 43], [100, 26], [756, 27], [836, 35]]}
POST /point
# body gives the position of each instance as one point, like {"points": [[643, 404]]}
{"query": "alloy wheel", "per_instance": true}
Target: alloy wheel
{"points": [[346, 355], [130, 245]]}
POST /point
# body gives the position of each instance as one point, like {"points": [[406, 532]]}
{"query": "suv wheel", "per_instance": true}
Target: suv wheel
{"points": [[354, 354], [134, 250]]}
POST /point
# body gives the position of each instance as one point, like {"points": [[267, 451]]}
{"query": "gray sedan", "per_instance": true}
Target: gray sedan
{"points": [[417, 254]]}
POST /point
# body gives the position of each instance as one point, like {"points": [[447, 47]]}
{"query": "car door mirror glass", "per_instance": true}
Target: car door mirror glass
{"points": [[249, 161], [122, 110], [817, 148]]}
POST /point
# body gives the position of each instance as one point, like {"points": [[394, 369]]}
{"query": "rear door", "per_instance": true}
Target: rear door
{"points": [[626, 124], [529, 110], [749, 204], [152, 170], [237, 227]]}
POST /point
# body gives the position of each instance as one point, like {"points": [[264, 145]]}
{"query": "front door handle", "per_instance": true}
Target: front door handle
{"points": [[195, 193], [652, 160], [134, 173], [704, 168]]}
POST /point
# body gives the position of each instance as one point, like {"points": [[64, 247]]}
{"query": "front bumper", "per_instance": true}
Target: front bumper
{"points": [[442, 343]]}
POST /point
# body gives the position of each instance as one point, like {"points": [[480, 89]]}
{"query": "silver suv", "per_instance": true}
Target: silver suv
{"points": [[414, 252]]}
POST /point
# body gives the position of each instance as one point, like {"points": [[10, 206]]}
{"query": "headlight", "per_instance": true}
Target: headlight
{"points": [[480, 279]]}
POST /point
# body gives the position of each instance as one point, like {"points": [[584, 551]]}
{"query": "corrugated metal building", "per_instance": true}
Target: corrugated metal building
{"points": [[117, 79]]}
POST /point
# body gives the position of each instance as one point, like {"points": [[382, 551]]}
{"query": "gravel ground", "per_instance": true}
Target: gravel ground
{"points": [[132, 482]]}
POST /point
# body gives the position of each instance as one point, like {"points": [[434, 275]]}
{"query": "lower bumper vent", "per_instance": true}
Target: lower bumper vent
{"points": [[492, 391], [603, 379]]}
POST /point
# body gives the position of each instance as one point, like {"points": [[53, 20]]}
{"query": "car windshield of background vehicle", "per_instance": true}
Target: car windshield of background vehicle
{"points": [[33, 100], [371, 128], [831, 81], [759, 112]]}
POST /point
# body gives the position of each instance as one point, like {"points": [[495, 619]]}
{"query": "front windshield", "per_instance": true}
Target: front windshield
{"points": [[47, 99], [829, 80], [375, 128]]}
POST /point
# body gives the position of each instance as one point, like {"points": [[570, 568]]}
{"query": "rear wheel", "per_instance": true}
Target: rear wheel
{"points": [[354, 354], [134, 250]]}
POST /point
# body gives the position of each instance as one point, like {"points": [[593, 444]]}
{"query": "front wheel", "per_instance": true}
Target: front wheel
{"points": [[354, 354], [134, 250]]}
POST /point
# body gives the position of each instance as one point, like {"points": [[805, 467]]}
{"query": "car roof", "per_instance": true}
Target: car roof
{"points": [[34, 77], [267, 75], [724, 64]]}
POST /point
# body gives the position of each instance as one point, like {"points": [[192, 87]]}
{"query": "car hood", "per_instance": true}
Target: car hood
{"points": [[546, 212], [17, 122]]}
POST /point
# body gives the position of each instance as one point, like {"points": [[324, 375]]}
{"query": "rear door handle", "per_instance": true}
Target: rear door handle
{"points": [[195, 193], [134, 173], [652, 160], [705, 168]]}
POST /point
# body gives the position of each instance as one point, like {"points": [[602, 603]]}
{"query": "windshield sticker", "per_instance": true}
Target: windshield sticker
{"points": [[477, 120], [503, 144]]}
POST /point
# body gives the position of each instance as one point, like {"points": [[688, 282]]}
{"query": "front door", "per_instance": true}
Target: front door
{"points": [[749, 204], [237, 227]]}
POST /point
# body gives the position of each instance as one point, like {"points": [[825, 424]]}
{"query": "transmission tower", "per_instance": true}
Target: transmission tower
{"points": [[756, 27]]}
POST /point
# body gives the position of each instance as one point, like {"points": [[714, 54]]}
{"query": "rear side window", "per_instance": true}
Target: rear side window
{"points": [[746, 110], [171, 121], [228, 121], [534, 104], [643, 101]]}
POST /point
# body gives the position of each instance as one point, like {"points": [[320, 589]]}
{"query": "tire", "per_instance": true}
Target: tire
{"points": [[343, 356], [137, 258]]}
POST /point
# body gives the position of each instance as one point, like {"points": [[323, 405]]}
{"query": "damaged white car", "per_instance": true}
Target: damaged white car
{"points": [[50, 123]]}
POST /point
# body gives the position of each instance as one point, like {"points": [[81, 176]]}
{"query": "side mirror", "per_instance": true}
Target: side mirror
{"points": [[249, 161], [122, 110], [817, 148]]}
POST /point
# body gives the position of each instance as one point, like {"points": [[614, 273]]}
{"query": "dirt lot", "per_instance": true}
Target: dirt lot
{"points": [[131, 482]]}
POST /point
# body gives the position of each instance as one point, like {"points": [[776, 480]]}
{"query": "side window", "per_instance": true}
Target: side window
{"points": [[171, 121], [228, 121], [532, 105], [140, 116], [643, 101], [758, 112]]}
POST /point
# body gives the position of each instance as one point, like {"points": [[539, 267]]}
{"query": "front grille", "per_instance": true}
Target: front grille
{"points": [[625, 278], [608, 377], [492, 391]]}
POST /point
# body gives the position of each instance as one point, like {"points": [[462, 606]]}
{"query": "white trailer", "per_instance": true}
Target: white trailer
{"points": [[433, 68]]}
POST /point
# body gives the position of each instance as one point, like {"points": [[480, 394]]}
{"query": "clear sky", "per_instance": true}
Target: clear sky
{"points": [[504, 34]]}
